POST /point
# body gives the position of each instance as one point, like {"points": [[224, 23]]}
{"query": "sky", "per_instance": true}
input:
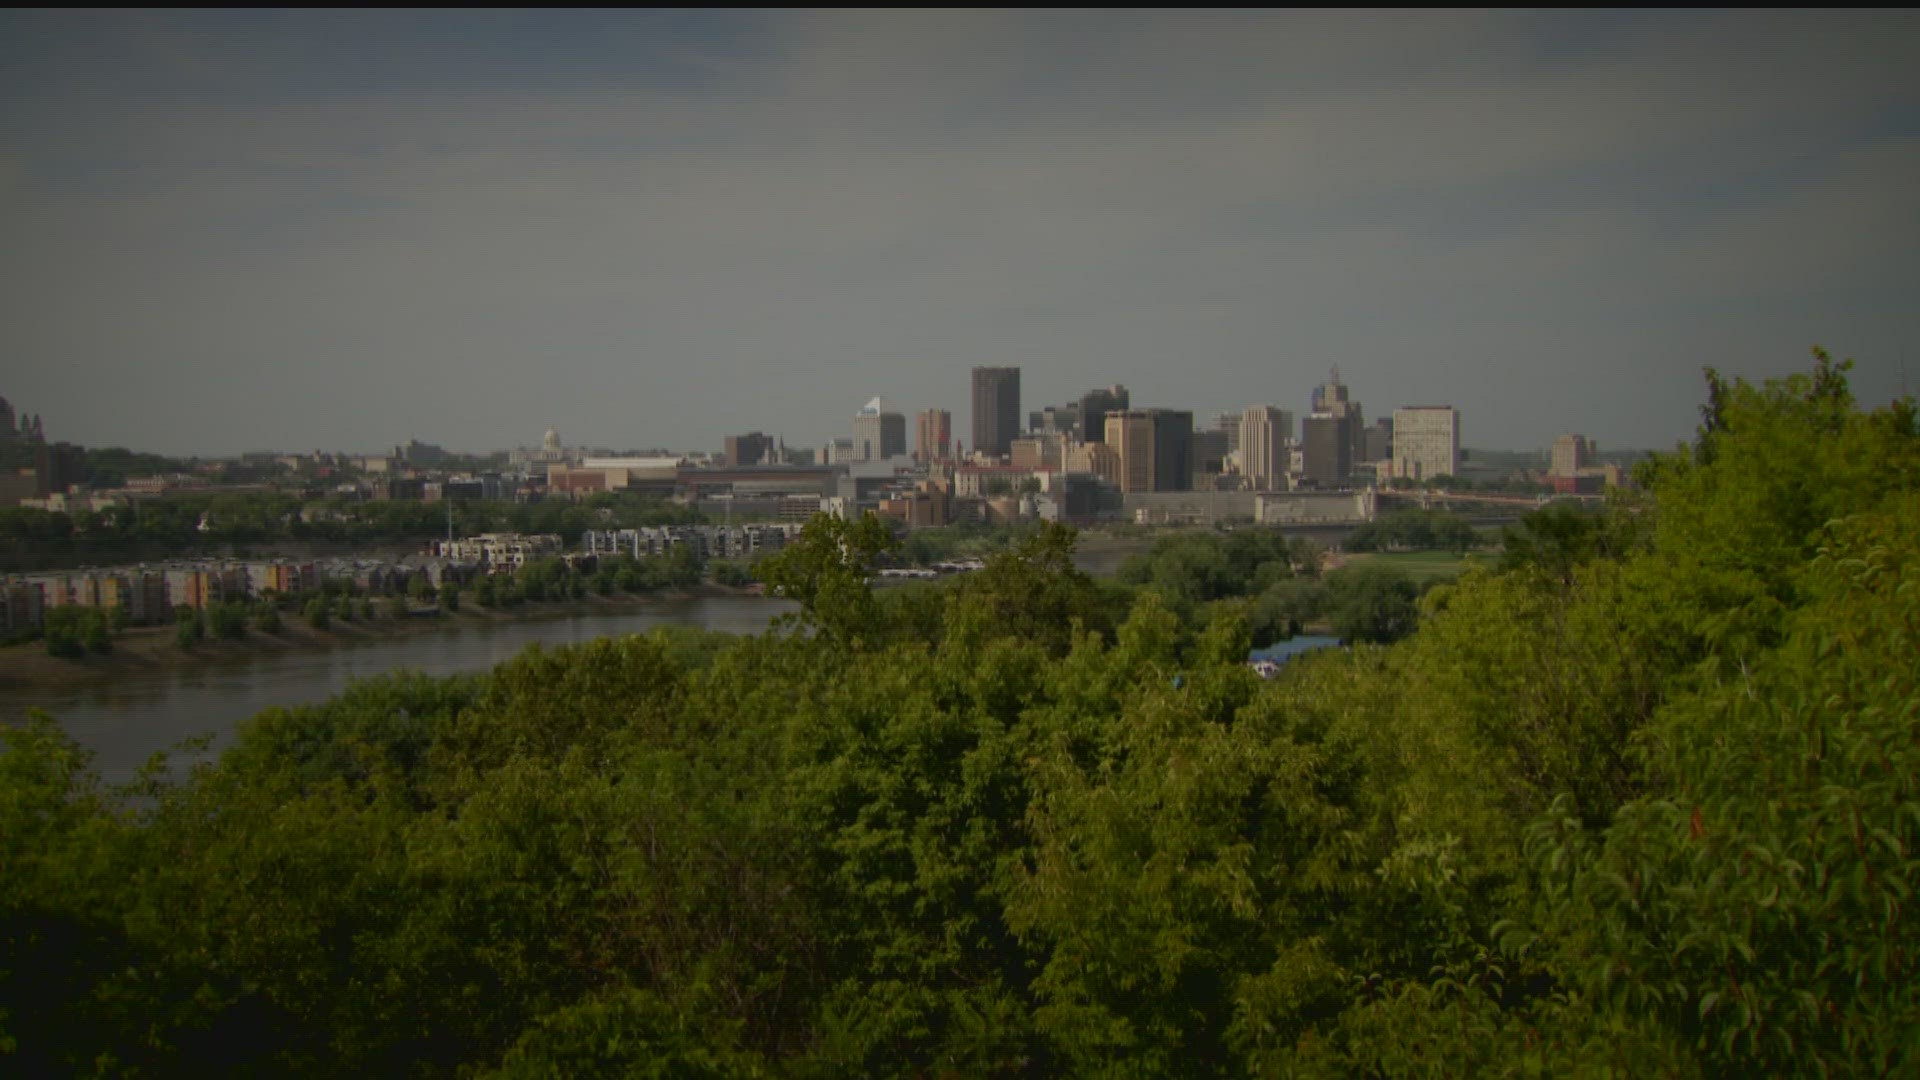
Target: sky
{"points": [[226, 232]]}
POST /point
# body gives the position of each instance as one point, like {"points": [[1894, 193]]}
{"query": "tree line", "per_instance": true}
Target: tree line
{"points": [[1636, 799], [216, 516]]}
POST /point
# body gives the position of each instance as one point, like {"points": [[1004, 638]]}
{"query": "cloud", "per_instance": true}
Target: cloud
{"points": [[761, 222]]}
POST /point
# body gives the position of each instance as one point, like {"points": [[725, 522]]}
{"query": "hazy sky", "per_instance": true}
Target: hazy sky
{"points": [[280, 230]]}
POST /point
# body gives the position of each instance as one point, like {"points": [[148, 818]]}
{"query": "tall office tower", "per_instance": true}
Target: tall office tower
{"points": [[1057, 420], [1326, 449], [1264, 434], [1094, 407], [933, 435], [1330, 396], [1130, 434], [996, 409], [750, 449], [1207, 458], [1571, 453], [1228, 423], [1153, 448], [1426, 441], [1333, 400], [1378, 441], [1172, 449], [879, 432]]}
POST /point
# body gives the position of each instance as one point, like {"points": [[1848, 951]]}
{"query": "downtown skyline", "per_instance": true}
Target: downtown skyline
{"points": [[228, 232]]}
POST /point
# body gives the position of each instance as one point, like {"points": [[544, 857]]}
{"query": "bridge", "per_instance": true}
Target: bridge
{"points": [[1428, 499]]}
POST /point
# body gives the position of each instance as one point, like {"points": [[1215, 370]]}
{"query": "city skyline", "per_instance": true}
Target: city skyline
{"points": [[232, 232]]}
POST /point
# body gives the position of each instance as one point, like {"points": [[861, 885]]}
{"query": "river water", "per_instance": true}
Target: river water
{"points": [[125, 722]]}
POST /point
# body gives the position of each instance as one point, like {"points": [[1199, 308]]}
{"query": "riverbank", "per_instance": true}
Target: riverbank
{"points": [[145, 649]]}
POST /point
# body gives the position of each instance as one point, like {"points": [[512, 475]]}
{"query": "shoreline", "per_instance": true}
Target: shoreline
{"points": [[146, 649]]}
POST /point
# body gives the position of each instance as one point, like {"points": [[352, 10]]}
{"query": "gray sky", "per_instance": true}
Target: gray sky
{"points": [[224, 232]]}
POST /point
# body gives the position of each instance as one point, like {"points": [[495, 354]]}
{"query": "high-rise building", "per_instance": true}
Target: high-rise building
{"points": [[996, 409], [1426, 441], [1206, 458], [1056, 420], [1264, 434], [879, 432], [1094, 406], [1228, 424], [1096, 459], [1326, 449], [1041, 452], [1334, 436], [1153, 448], [1378, 441], [752, 448], [933, 435], [1572, 453], [1333, 399]]}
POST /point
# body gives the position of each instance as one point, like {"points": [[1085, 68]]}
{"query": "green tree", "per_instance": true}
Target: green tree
{"points": [[1370, 602], [825, 571], [191, 627], [227, 621], [450, 596]]}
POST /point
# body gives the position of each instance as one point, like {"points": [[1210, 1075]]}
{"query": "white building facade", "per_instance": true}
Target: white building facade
{"points": [[1426, 442], [1264, 434]]}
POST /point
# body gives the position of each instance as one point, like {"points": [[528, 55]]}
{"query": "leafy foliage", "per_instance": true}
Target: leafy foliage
{"points": [[1637, 802]]}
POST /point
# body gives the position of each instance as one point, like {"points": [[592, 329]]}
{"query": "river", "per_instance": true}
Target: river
{"points": [[127, 721]]}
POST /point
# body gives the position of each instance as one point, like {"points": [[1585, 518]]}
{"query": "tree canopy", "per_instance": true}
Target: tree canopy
{"points": [[1636, 801]]}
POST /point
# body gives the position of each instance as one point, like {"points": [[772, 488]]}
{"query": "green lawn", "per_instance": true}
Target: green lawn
{"points": [[1421, 566]]}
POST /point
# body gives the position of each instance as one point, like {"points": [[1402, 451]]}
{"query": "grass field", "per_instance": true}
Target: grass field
{"points": [[1421, 566]]}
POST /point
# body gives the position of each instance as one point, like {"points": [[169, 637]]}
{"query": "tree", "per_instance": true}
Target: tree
{"points": [[1371, 602], [825, 571], [730, 574], [319, 613], [64, 630], [227, 621], [450, 595], [191, 626]]}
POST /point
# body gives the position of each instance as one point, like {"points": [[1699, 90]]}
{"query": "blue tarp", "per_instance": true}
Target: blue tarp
{"points": [[1281, 651]]}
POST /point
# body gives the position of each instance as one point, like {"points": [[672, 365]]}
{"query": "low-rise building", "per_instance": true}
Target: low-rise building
{"points": [[22, 606], [498, 551]]}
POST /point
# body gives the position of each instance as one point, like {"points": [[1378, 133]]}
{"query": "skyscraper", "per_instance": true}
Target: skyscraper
{"points": [[1571, 453], [1334, 437], [1152, 445], [1426, 441], [753, 448], [1333, 399], [1264, 434], [933, 435], [879, 432], [1228, 423], [996, 409], [1326, 449], [1094, 406]]}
